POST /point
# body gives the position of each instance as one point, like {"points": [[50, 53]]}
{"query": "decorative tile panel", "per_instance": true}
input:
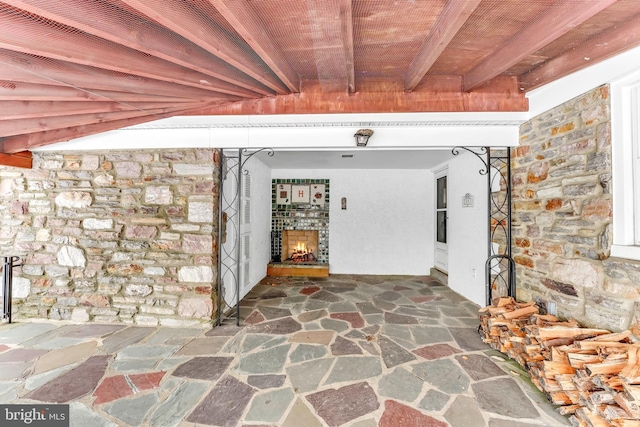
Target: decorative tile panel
{"points": [[317, 194], [283, 194], [311, 214], [300, 194]]}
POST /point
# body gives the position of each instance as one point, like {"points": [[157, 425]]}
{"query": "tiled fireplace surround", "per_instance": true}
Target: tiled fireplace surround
{"points": [[299, 217]]}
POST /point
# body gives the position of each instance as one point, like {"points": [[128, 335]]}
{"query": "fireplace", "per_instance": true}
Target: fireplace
{"points": [[299, 246], [299, 228]]}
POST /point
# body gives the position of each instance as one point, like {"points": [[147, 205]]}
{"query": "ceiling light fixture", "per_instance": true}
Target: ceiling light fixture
{"points": [[362, 137]]}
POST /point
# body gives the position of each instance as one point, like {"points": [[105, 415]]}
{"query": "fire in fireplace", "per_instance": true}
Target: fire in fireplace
{"points": [[299, 245], [302, 254]]}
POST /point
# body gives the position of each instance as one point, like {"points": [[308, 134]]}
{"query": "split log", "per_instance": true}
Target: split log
{"points": [[632, 408], [606, 367], [545, 318], [617, 336], [592, 374], [521, 312], [601, 397], [610, 383], [614, 413], [594, 345], [552, 368], [576, 422], [631, 372], [504, 301], [584, 383], [564, 332], [562, 342], [592, 419], [560, 398], [578, 360], [625, 423], [632, 391], [566, 382], [615, 383], [568, 409]]}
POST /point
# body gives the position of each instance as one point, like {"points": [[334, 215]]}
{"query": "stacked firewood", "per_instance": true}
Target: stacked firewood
{"points": [[593, 375]]}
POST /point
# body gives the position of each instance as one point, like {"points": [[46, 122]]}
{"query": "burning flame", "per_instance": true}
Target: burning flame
{"points": [[301, 253]]}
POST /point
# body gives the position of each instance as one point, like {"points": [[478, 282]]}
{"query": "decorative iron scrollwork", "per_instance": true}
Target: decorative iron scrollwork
{"points": [[499, 267], [482, 151], [229, 224]]}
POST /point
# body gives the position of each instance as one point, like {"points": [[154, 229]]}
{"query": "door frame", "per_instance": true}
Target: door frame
{"points": [[441, 249]]}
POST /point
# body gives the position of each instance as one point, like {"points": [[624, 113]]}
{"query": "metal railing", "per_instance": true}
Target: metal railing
{"points": [[500, 268], [8, 264]]}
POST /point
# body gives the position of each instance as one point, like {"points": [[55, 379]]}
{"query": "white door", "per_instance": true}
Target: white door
{"points": [[441, 251]]}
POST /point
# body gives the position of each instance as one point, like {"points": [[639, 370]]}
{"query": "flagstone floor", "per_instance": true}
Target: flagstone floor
{"points": [[358, 351]]}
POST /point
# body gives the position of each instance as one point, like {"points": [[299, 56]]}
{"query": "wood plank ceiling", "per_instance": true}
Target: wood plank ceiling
{"points": [[70, 68]]}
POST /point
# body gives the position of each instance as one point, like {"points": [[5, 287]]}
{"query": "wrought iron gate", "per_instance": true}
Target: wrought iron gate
{"points": [[230, 273], [500, 269]]}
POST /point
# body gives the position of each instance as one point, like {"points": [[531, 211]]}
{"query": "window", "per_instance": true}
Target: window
{"points": [[625, 142], [441, 209], [441, 253]]}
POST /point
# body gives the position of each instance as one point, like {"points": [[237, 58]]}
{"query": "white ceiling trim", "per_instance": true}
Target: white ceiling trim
{"points": [[311, 132], [298, 138], [339, 120], [159, 125]]}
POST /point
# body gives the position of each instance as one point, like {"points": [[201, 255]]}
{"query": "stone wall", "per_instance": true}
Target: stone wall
{"points": [[127, 236], [562, 216]]}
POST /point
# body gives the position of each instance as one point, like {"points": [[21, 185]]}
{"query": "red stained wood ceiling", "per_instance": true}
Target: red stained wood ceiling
{"points": [[70, 68]]}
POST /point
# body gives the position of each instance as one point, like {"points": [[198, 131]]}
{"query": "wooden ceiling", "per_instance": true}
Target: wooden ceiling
{"points": [[70, 68]]}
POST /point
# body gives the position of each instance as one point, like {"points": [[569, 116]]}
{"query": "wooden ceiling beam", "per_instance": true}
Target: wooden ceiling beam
{"points": [[244, 20], [380, 100], [346, 21], [38, 124], [559, 19], [596, 49], [128, 30], [21, 34], [29, 92], [14, 144], [188, 22], [449, 22], [16, 66], [19, 110]]}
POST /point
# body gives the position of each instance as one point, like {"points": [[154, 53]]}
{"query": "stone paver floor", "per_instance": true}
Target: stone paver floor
{"points": [[357, 351]]}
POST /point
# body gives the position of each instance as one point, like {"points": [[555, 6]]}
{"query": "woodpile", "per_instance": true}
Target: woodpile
{"points": [[593, 375]]}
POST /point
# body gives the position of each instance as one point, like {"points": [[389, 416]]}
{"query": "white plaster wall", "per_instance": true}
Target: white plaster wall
{"points": [[388, 225], [260, 222], [467, 227]]}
